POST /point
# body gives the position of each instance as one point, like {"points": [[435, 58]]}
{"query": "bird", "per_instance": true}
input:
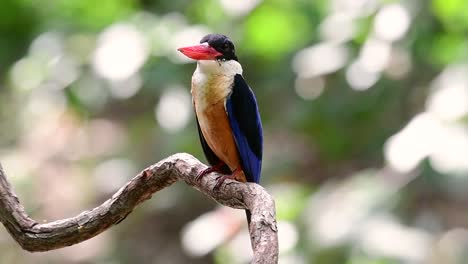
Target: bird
{"points": [[227, 114]]}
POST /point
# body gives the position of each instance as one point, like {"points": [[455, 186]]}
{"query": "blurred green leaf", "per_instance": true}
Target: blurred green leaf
{"points": [[448, 48], [88, 14], [208, 11], [452, 13], [364, 27], [290, 201], [96, 14], [272, 31]]}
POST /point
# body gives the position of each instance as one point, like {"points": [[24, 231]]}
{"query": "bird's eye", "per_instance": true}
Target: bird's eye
{"points": [[226, 46]]}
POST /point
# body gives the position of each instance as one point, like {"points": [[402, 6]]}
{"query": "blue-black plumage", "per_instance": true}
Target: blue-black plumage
{"points": [[246, 125]]}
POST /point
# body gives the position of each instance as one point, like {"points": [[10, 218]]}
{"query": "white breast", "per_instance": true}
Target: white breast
{"points": [[212, 81]]}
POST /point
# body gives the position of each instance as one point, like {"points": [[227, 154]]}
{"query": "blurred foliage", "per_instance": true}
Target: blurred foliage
{"points": [[364, 105]]}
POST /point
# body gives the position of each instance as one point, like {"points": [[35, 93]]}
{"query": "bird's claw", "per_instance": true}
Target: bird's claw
{"points": [[203, 173], [209, 170], [221, 180]]}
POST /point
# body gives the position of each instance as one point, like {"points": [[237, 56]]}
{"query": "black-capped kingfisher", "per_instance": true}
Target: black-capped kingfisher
{"points": [[226, 109]]}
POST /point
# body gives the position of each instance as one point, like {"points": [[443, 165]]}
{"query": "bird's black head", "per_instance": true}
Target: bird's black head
{"points": [[222, 44], [211, 47]]}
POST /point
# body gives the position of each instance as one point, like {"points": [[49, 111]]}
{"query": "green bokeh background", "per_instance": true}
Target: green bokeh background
{"points": [[69, 139]]}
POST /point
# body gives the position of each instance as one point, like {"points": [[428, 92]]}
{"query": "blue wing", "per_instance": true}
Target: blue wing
{"points": [[242, 110]]}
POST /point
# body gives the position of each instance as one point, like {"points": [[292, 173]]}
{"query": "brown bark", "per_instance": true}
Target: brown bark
{"points": [[34, 236]]}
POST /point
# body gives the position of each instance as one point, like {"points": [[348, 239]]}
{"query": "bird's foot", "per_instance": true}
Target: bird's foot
{"points": [[221, 179], [215, 168]]}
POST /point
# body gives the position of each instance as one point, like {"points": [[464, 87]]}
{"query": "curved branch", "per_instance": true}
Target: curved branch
{"points": [[34, 236]]}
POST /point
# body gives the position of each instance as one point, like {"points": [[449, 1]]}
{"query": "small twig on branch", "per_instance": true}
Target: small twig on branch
{"points": [[34, 236]]}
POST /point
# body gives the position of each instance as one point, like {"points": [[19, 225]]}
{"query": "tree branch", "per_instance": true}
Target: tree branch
{"points": [[34, 236]]}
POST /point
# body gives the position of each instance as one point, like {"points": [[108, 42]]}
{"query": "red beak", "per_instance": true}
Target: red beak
{"points": [[200, 52]]}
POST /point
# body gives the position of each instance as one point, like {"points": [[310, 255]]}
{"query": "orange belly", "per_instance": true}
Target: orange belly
{"points": [[214, 124]]}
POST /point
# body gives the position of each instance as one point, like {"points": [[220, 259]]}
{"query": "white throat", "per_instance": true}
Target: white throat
{"points": [[211, 67]]}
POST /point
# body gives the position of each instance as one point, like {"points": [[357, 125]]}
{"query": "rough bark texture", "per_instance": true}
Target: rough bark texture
{"points": [[34, 236]]}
